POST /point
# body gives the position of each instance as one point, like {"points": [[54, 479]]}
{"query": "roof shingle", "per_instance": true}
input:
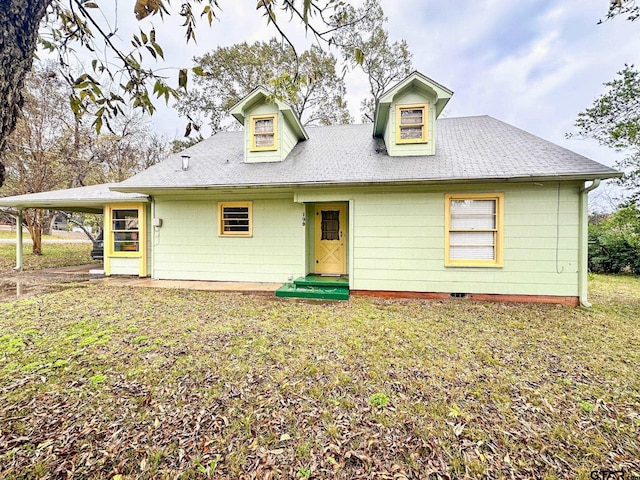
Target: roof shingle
{"points": [[469, 148]]}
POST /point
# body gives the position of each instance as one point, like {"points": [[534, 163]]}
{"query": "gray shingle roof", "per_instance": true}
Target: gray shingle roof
{"points": [[467, 149]]}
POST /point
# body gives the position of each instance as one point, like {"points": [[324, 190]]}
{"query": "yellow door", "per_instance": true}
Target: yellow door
{"points": [[331, 239]]}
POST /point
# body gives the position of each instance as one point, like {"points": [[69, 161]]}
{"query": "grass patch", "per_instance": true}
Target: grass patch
{"points": [[12, 235], [53, 255], [239, 385]]}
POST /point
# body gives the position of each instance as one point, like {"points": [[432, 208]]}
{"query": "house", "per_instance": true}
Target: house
{"points": [[413, 205]]}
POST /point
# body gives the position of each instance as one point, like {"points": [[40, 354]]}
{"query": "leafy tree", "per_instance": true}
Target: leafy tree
{"points": [[179, 144], [623, 7], [64, 26], [365, 44], [50, 149], [229, 73], [614, 241], [614, 121], [34, 157]]}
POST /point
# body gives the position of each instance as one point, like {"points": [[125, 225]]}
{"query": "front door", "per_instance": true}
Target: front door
{"points": [[331, 239]]}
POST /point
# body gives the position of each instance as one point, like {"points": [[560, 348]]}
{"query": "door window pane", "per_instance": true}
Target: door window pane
{"points": [[330, 225]]}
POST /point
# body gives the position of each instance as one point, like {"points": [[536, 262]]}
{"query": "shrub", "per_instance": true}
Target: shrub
{"points": [[614, 242]]}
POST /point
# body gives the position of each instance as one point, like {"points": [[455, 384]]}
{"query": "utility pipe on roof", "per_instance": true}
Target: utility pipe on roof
{"points": [[583, 261]]}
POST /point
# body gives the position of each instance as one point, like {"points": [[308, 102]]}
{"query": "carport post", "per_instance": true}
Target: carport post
{"points": [[19, 241]]}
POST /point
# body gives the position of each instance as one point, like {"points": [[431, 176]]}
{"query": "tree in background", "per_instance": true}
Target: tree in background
{"points": [[227, 74], [179, 144], [614, 241], [65, 26], [614, 121], [365, 44], [34, 157], [50, 148]]}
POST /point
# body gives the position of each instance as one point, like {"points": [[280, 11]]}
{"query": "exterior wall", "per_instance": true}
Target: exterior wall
{"points": [[398, 240], [187, 246], [285, 137], [395, 242], [124, 266], [406, 149]]}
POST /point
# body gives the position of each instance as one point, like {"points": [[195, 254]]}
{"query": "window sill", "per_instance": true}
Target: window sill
{"points": [[124, 254], [473, 265]]}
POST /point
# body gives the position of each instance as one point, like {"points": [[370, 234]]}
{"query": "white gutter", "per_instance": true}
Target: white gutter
{"points": [[583, 249]]}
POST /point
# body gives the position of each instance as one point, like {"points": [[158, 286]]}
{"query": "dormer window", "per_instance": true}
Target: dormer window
{"points": [[411, 122], [263, 132]]}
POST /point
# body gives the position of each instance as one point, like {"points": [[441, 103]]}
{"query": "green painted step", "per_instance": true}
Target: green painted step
{"points": [[314, 292], [320, 281]]}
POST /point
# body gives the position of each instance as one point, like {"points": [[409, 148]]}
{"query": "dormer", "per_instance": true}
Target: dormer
{"points": [[406, 115], [271, 127]]}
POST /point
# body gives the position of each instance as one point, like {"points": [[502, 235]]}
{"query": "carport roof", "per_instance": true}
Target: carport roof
{"points": [[89, 199]]}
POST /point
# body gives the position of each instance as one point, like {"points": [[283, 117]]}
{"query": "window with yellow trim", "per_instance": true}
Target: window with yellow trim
{"points": [[474, 230], [125, 232], [411, 121], [264, 132], [235, 219]]}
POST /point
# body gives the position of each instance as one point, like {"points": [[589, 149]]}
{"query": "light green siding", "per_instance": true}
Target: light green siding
{"points": [[398, 241], [286, 138], [188, 247], [310, 237], [411, 96]]}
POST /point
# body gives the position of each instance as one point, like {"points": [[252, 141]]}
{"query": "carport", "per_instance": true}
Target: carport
{"points": [[91, 199]]}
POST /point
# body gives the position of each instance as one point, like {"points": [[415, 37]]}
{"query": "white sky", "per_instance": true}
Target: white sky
{"points": [[532, 63]]}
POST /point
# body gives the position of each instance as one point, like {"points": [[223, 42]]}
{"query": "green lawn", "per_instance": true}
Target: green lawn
{"points": [[12, 235], [53, 255], [99, 382]]}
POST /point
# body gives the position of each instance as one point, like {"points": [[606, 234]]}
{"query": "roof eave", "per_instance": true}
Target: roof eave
{"points": [[371, 182], [89, 205]]}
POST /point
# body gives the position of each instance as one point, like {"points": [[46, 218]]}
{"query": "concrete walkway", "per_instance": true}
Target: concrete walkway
{"points": [[240, 287], [90, 273]]}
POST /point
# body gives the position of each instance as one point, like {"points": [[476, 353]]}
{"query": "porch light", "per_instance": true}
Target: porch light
{"points": [[185, 162]]}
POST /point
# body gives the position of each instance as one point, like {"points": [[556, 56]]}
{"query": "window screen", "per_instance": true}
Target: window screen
{"points": [[474, 231], [235, 219], [124, 228], [411, 123], [264, 132]]}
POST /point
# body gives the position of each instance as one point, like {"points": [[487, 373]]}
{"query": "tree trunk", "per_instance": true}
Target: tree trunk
{"points": [[19, 22], [34, 218]]}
